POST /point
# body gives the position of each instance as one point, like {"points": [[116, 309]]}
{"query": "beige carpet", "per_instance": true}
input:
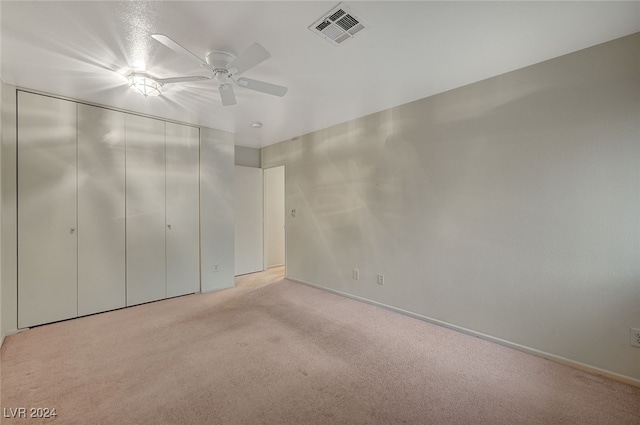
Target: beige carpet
{"points": [[276, 352]]}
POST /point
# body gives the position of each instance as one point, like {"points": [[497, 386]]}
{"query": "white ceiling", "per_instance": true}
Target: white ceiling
{"points": [[411, 50]]}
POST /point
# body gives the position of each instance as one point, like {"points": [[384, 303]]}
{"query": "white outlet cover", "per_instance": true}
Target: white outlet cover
{"points": [[356, 274], [634, 337]]}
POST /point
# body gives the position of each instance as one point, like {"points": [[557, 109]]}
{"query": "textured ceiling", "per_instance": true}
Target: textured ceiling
{"points": [[411, 50]]}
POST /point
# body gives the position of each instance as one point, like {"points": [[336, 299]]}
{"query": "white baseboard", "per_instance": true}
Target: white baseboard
{"points": [[558, 359], [217, 289]]}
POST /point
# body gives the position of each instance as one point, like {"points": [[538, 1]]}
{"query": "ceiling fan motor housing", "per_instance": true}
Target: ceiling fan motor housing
{"points": [[219, 60]]}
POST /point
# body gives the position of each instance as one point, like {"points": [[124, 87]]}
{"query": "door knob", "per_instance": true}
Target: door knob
{"points": [[72, 230], [169, 226]]}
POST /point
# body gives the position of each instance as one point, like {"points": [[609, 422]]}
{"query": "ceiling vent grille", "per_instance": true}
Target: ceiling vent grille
{"points": [[338, 25]]}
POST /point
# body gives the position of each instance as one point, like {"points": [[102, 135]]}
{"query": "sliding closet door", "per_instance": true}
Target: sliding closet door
{"points": [[101, 210], [183, 219], [145, 205], [47, 244]]}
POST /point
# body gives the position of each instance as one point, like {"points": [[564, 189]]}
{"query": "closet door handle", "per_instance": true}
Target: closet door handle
{"points": [[72, 230], [169, 226]]}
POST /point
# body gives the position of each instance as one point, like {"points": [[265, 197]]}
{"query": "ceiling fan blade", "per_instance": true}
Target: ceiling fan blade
{"points": [[248, 59], [261, 86], [227, 95], [181, 79], [176, 47]]}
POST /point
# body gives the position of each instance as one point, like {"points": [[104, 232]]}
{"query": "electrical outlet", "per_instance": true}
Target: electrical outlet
{"points": [[634, 337], [356, 274], [215, 268], [380, 279]]}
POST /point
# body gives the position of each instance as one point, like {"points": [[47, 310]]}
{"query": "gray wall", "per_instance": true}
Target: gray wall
{"points": [[508, 207], [247, 157], [1, 327], [217, 221], [9, 229], [1, 89], [274, 213], [249, 230]]}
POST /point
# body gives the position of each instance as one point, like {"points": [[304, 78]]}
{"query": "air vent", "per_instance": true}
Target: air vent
{"points": [[338, 25]]}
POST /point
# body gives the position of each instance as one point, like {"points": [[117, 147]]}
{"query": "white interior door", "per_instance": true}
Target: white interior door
{"points": [[145, 206], [47, 238], [183, 218], [249, 227], [101, 209]]}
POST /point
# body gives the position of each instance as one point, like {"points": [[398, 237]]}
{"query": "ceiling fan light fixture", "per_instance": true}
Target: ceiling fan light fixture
{"points": [[145, 85]]}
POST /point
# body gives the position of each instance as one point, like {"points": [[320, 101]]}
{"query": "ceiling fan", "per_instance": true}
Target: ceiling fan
{"points": [[225, 67]]}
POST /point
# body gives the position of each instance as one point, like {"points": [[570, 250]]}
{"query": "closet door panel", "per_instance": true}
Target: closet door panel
{"points": [[101, 209], [145, 206], [47, 242], [183, 219]]}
